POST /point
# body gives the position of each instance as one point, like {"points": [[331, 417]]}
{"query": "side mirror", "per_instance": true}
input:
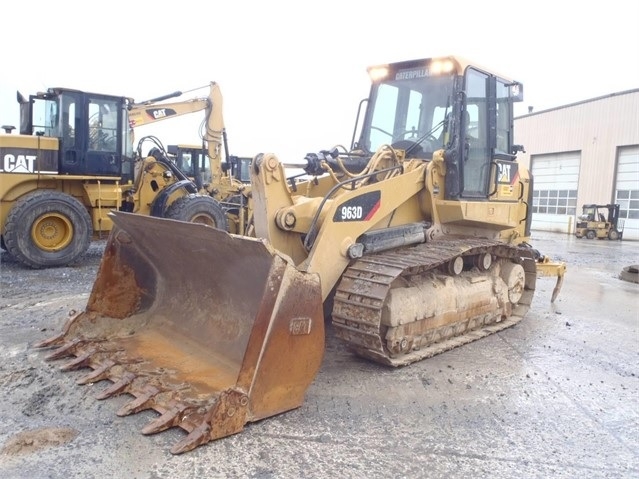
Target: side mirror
{"points": [[517, 148], [516, 92]]}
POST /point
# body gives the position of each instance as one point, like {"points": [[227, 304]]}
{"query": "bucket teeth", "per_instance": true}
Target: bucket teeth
{"points": [[100, 373], [81, 361], [198, 436], [170, 418], [50, 342], [64, 351], [144, 401], [117, 387]]}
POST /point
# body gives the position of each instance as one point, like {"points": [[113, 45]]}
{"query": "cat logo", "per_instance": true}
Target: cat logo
{"points": [[159, 113], [18, 163], [507, 178], [504, 173]]}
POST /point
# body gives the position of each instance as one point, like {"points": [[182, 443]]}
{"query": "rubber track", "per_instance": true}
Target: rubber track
{"points": [[361, 294]]}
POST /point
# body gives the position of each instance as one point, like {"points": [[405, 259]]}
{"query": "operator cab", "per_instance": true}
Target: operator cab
{"points": [[600, 213], [92, 130], [194, 161], [427, 105]]}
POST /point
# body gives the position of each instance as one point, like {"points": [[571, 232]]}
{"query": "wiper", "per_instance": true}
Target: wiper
{"points": [[424, 136]]}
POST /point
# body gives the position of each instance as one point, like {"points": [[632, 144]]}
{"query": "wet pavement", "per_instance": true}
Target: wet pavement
{"points": [[555, 396]]}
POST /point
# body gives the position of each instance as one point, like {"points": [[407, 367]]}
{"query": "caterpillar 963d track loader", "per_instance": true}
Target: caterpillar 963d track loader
{"points": [[73, 162], [414, 241]]}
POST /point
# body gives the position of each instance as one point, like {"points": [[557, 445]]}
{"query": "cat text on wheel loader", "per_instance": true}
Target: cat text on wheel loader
{"points": [[414, 241]]}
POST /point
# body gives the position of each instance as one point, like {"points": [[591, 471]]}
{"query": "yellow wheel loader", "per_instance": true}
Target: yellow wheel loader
{"points": [[73, 162], [415, 241]]}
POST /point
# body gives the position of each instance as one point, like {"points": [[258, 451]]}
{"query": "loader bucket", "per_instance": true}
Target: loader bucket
{"points": [[209, 329]]}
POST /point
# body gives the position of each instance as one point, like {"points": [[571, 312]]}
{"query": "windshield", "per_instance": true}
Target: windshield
{"points": [[403, 112], [588, 213], [190, 160], [45, 117]]}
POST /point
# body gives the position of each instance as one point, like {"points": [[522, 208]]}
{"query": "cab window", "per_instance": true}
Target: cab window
{"points": [[103, 125], [475, 134]]}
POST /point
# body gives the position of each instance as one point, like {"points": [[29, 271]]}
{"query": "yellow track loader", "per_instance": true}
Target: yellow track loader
{"points": [[414, 241]]}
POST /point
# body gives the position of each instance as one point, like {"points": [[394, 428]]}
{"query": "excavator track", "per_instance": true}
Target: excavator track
{"points": [[401, 306]]}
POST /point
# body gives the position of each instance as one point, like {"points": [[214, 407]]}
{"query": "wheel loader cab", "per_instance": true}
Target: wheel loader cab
{"points": [[92, 129]]}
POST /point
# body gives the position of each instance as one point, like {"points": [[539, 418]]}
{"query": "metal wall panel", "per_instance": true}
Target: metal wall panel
{"points": [[627, 190], [598, 130], [556, 181]]}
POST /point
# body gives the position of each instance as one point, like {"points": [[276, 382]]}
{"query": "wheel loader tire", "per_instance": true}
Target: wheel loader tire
{"points": [[47, 229], [613, 235], [196, 208], [591, 234]]}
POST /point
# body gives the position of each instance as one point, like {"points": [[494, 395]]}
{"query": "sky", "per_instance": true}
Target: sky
{"points": [[293, 73]]}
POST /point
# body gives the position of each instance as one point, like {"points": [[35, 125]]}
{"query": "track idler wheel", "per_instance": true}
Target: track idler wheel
{"points": [[515, 278]]}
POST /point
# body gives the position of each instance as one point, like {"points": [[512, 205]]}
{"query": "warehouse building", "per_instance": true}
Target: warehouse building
{"points": [[583, 153]]}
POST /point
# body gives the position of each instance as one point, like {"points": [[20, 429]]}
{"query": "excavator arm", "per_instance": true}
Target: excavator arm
{"points": [[146, 113], [154, 110]]}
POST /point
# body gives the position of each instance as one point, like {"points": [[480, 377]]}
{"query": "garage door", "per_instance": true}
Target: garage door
{"points": [[555, 180], [627, 190]]}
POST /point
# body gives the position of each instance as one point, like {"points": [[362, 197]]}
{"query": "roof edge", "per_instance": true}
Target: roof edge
{"points": [[603, 97]]}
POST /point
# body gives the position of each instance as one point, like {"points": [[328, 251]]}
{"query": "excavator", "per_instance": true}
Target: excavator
{"points": [[193, 160], [226, 181], [413, 241], [73, 162]]}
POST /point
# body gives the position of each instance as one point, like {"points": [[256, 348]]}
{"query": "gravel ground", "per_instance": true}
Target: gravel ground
{"points": [[556, 395]]}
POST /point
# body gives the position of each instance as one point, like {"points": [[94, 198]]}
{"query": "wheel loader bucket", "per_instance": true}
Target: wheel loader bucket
{"points": [[209, 329]]}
